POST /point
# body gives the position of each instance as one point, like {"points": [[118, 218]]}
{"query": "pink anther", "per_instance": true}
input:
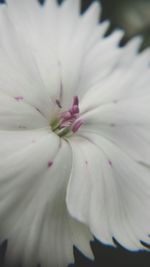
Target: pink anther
{"points": [[77, 125]]}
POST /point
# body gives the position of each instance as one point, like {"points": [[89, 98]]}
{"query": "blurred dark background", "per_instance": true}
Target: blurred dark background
{"points": [[134, 17]]}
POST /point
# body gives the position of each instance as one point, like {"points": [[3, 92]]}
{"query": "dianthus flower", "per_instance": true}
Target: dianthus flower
{"points": [[74, 134]]}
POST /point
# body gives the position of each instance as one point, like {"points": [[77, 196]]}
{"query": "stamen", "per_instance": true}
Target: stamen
{"points": [[77, 125], [69, 121], [75, 109], [75, 101], [66, 115]]}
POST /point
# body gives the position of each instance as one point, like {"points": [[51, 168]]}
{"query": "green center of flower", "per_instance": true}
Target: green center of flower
{"points": [[68, 122]]}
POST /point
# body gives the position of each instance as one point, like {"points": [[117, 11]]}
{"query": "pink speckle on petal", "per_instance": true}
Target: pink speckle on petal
{"points": [[50, 163], [18, 98], [110, 162]]}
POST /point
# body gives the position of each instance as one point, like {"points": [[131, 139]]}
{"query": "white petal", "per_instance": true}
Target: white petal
{"points": [[19, 10], [99, 63], [29, 25], [125, 91], [130, 51], [99, 32], [116, 73], [131, 112], [33, 212], [16, 114], [133, 139], [50, 57], [85, 194], [74, 37], [118, 108], [12, 142], [113, 192], [19, 74]]}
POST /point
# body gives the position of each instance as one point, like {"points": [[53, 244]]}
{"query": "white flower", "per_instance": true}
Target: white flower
{"points": [[74, 134]]}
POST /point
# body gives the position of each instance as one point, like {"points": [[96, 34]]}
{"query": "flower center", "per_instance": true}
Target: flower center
{"points": [[68, 122]]}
